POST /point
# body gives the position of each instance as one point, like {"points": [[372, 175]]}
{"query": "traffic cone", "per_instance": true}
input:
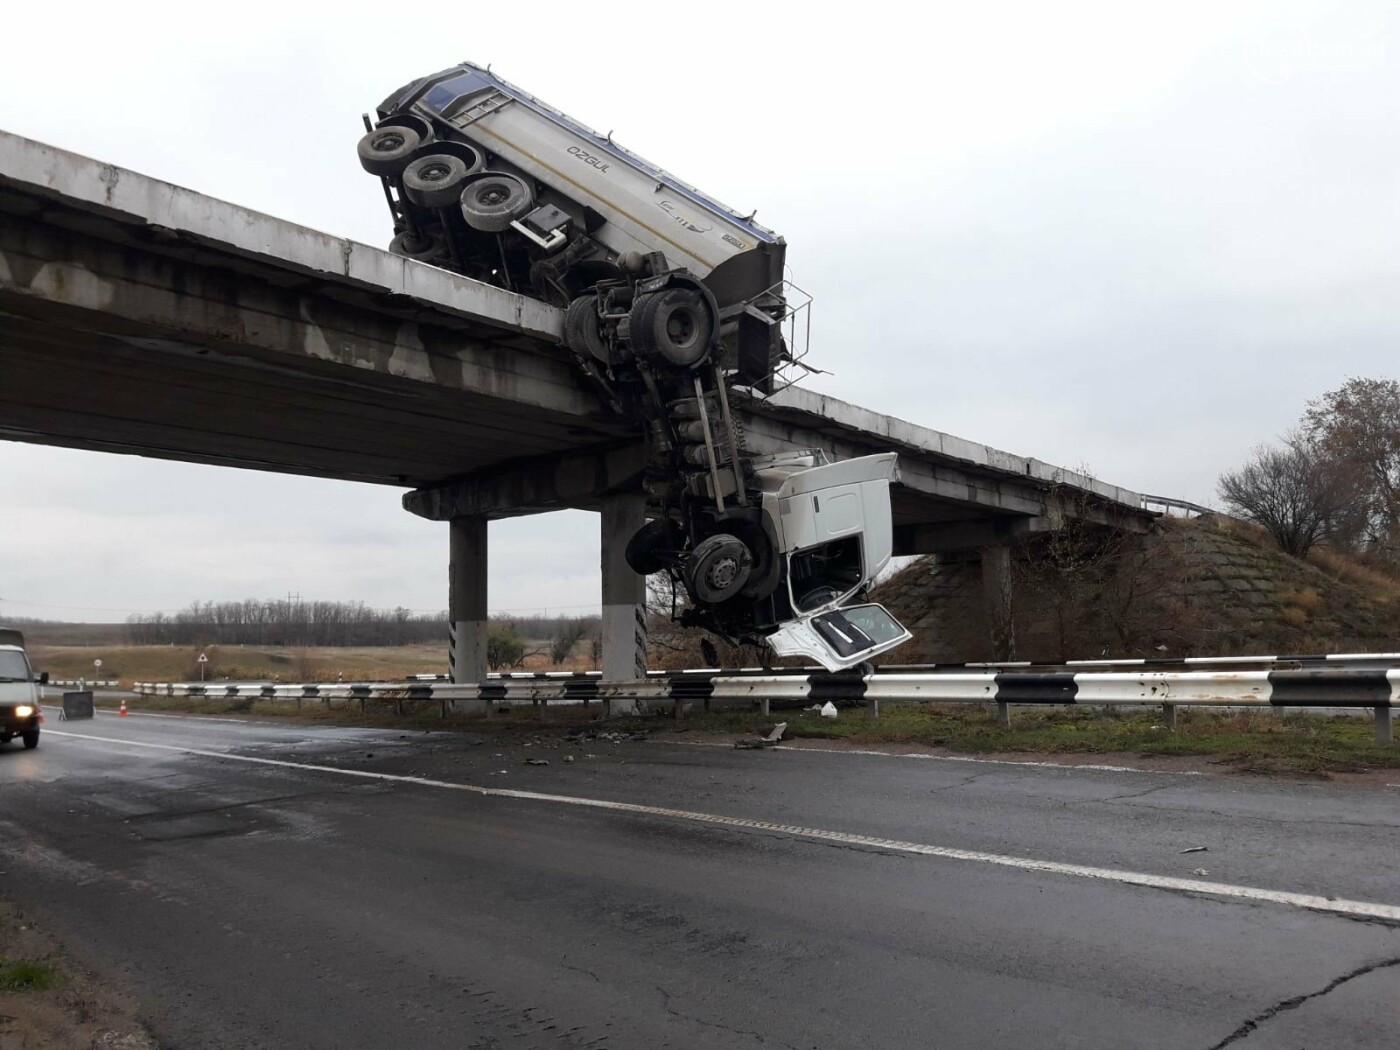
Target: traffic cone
{"points": [[122, 712]]}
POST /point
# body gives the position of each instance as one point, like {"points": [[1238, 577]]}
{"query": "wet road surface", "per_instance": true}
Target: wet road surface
{"points": [[265, 884]]}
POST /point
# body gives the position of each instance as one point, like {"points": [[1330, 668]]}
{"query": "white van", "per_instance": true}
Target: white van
{"points": [[19, 691]]}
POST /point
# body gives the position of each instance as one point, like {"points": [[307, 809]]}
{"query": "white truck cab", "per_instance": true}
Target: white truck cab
{"points": [[833, 530], [19, 691]]}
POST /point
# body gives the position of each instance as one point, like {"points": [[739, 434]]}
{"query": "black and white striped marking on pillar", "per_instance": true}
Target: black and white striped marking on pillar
{"points": [[639, 653]]}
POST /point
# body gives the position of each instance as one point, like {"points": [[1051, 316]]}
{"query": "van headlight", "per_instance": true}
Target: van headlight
{"points": [[23, 711]]}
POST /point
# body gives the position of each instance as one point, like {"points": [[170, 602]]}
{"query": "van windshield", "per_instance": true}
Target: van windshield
{"points": [[13, 666]]}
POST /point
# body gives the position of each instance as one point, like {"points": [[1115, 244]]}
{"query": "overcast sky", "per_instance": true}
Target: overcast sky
{"points": [[1125, 237]]}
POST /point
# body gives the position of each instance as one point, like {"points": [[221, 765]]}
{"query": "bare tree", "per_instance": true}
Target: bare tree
{"points": [[1359, 425], [1298, 492], [568, 635]]}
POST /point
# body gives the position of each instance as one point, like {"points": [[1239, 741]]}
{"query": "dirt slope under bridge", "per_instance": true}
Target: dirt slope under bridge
{"points": [[1205, 586]]}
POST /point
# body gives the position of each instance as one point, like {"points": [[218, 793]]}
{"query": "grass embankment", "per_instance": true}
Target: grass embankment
{"points": [[1250, 741]]}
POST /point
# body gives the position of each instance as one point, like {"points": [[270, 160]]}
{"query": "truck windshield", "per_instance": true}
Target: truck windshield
{"points": [[856, 629], [13, 666]]}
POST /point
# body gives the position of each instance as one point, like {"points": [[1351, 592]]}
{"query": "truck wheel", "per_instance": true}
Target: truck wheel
{"points": [[435, 181], [674, 325], [582, 332], [653, 546], [31, 738], [410, 246], [718, 567], [492, 200], [387, 150]]}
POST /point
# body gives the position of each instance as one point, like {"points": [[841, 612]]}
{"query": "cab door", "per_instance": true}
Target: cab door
{"points": [[840, 638]]}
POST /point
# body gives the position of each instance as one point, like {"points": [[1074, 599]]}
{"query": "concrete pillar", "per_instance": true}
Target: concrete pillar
{"points": [[624, 596], [996, 586], [466, 600]]}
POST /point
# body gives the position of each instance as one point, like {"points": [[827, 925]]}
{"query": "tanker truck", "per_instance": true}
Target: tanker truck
{"points": [[672, 302]]}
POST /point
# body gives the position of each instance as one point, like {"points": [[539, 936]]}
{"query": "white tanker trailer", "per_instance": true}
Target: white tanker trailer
{"points": [[671, 300]]}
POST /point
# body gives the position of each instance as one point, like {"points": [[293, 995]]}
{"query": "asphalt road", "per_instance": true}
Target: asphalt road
{"points": [[296, 886]]}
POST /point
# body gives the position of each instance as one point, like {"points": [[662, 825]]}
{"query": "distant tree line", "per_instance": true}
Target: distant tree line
{"points": [[1334, 479], [297, 622], [286, 621]]}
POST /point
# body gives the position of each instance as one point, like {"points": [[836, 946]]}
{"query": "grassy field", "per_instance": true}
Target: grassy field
{"points": [[169, 663]]}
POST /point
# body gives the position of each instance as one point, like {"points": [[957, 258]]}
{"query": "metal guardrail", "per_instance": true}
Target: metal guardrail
{"points": [[1271, 660], [1376, 689], [1168, 504]]}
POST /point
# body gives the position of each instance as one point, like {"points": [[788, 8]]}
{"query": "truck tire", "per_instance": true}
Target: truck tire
{"points": [[435, 181], [674, 325], [417, 246], [653, 546], [582, 332], [492, 200], [719, 567], [387, 150], [31, 738]]}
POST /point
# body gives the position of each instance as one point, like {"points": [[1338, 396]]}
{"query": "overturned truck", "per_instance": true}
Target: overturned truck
{"points": [[673, 304]]}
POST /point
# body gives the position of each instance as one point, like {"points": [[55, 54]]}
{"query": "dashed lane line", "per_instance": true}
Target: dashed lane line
{"points": [[1304, 901]]}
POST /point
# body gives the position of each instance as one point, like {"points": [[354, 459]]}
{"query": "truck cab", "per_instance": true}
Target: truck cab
{"points": [[19, 691]]}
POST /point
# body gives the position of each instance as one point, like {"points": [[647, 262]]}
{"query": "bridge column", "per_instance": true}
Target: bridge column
{"points": [[624, 594], [466, 600], [996, 586]]}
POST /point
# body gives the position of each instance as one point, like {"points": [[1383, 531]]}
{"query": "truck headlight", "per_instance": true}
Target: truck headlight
{"points": [[23, 711]]}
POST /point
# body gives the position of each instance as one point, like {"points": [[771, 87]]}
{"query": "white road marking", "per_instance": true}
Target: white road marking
{"points": [[1306, 901], [948, 758]]}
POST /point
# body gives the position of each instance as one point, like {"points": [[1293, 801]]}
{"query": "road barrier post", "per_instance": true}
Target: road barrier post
{"points": [[874, 709], [1385, 733], [1169, 716], [1003, 714], [762, 706]]}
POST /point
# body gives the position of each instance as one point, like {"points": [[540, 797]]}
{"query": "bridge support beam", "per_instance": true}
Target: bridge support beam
{"points": [[996, 586], [624, 595], [466, 600]]}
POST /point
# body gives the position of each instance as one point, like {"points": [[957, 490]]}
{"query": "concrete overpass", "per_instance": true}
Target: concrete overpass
{"points": [[141, 317]]}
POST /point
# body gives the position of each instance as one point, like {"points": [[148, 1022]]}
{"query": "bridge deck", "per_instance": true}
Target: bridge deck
{"points": [[141, 317]]}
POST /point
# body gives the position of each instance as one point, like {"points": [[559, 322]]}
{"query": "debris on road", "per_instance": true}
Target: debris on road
{"points": [[771, 740], [568, 758], [537, 761], [828, 710], [1194, 849], [1201, 871]]}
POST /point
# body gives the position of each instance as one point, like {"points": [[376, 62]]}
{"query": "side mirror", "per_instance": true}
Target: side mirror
{"points": [[43, 678]]}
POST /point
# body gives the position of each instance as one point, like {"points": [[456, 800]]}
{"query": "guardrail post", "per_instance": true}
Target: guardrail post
{"points": [[1003, 714], [762, 706], [1169, 716], [874, 709], [680, 709], [543, 708], [1385, 733]]}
